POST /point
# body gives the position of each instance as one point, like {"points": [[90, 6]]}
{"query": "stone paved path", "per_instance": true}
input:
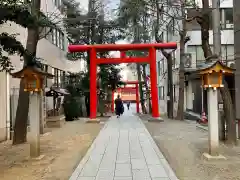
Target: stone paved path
{"points": [[124, 150]]}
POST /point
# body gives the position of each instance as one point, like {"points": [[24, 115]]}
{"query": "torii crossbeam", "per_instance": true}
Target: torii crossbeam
{"points": [[94, 61]]}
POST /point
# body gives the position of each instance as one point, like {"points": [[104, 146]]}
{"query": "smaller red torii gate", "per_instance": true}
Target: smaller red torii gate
{"points": [[136, 89], [95, 60]]}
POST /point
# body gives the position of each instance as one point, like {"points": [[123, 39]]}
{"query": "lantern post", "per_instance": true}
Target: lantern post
{"points": [[33, 81], [212, 80]]}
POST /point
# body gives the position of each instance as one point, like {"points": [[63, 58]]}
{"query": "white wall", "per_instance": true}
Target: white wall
{"points": [[226, 37]]}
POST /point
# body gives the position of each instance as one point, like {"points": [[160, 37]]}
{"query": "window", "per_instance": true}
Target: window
{"points": [[228, 17], [226, 50], [46, 79], [63, 79], [174, 93], [54, 36], [62, 45], [57, 38], [173, 59], [161, 92], [161, 64], [58, 3], [161, 37], [55, 82], [159, 70]]}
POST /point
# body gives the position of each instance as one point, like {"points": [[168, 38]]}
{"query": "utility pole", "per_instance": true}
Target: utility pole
{"points": [[236, 20], [212, 94], [216, 27]]}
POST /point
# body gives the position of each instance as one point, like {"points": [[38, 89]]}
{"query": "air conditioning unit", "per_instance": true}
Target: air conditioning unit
{"points": [[232, 65], [188, 60], [229, 26]]}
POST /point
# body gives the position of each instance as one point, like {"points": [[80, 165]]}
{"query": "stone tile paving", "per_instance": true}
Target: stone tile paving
{"points": [[124, 150]]}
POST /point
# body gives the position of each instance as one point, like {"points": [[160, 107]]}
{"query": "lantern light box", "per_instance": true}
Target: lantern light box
{"points": [[212, 76], [33, 78]]}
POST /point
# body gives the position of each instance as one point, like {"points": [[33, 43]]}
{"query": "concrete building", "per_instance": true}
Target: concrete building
{"points": [[51, 50], [170, 32]]}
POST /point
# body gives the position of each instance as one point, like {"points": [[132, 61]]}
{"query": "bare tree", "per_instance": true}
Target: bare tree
{"points": [[176, 13], [35, 33]]}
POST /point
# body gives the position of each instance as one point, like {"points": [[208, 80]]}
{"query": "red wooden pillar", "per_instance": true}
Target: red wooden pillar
{"points": [[137, 99], [93, 84], [112, 102], [153, 78]]}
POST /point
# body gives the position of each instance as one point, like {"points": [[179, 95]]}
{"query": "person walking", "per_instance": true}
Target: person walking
{"points": [[118, 106], [128, 105]]}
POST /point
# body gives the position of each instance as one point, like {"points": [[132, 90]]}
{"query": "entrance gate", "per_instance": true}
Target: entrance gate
{"points": [[94, 61], [135, 89]]}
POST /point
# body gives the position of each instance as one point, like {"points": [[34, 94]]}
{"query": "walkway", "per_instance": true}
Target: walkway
{"points": [[124, 150]]}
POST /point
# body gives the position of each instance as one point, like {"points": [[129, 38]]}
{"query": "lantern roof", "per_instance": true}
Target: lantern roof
{"points": [[210, 67], [33, 70]]}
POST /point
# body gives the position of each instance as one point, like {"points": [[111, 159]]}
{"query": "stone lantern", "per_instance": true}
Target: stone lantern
{"points": [[33, 83], [33, 78], [212, 75]]}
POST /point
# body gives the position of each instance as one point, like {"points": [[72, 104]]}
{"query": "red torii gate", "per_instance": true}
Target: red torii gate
{"points": [[136, 89], [94, 61]]}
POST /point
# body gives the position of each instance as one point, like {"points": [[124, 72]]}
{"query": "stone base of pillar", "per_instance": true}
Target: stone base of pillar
{"points": [[158, 119], [39, 157], [93, 121], [209, 157]]}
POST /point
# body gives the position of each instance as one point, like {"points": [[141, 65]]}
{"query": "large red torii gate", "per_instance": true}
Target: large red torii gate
{"points": [[136, 90], [94, 61]]}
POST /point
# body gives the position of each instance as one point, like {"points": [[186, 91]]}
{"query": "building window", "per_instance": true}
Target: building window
{"points": [[161, 37], [56, 83], [46, 79], [63, 79], [161, 92], [58, 3], [228, 20], [226, 50], [57, 38], [54, 36], [173, 59], [174, 93], [159, 70], [161, 67]]}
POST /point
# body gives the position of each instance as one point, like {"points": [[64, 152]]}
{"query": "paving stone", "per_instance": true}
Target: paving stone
{"points": [[122, 178], [123, 170], [138, 164], [86, 178], [124, 150], [157, 171], [141, 174]]}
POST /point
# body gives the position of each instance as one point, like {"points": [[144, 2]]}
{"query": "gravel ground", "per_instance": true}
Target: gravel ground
{"points": [[183, 145], [62, 148]]}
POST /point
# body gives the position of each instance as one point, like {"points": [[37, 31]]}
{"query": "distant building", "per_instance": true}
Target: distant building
{"points": [[170, 33]]}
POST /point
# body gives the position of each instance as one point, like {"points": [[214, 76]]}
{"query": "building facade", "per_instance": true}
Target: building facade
{"points": [[194, 54], [51, 50]]}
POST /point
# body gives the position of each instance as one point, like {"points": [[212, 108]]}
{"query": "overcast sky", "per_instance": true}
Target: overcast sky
{"points": [[110, 4]]}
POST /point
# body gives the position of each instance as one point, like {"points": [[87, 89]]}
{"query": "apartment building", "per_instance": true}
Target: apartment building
{"points": [[51, 51], [194, 54]]}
